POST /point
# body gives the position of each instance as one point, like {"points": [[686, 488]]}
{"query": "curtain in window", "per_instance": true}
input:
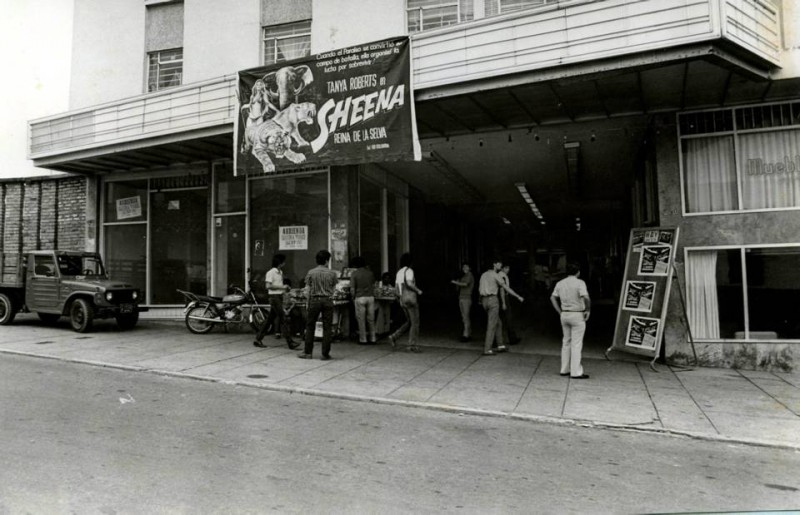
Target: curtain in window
{"points": [[702, 300], [770, 169], [293, 48], [710, 174]]}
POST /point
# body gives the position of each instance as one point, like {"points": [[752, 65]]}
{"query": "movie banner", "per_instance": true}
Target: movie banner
{"points": [[645, 290], [347, 106]]}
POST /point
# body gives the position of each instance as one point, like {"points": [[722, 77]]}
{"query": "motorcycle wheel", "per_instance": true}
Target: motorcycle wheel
{"points": [[198, 326], [257, 319]]}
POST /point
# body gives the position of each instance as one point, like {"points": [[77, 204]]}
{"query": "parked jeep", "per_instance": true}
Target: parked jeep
{"points": [[54, 283]]}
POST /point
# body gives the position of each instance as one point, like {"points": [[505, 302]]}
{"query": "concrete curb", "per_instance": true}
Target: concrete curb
{"points": [[446, 408]]}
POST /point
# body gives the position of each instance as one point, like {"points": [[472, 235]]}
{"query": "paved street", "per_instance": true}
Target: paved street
{"points": [[720, 404], [81, 438]]}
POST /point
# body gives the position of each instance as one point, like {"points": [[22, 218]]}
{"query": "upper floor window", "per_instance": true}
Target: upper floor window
{"points": [[287, 41], [506, 6], [164, 69], [432, 14]]}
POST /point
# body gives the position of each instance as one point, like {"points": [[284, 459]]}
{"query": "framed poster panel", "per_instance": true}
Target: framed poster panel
{"points": [[645, 290]]}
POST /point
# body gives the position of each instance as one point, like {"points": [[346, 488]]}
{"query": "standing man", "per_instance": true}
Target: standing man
{"points": [[505, 309], [320, 283], [489, 287], [465, 286], [275, 290], [362, 284], [574, 312]]}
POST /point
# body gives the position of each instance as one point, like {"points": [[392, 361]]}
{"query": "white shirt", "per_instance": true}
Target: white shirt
{"points": [[274, 280], [571, 290], [404, 275]]}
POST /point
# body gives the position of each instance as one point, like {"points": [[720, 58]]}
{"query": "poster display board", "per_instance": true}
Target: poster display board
{"points": [[346, 106], [645, 290]]}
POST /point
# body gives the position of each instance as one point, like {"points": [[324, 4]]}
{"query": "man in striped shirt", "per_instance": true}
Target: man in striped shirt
{"points": [[320, 283]]}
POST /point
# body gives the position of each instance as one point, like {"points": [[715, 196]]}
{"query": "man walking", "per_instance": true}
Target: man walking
{"points": [[275, 290], [465, 287], [362, 284], [571, 300], [320, 283], [505, 309], [489, 286]]}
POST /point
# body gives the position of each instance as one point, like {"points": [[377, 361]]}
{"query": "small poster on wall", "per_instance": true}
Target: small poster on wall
{"points": [[655, 259], [642, 332], [639, 296], [130, 207], [293, 237]]}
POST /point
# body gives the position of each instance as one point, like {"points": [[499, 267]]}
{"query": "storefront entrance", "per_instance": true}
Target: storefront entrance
{"points": [[537, 198]]}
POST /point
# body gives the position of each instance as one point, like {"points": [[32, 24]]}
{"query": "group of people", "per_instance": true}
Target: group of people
{"points": [[569, 298]]}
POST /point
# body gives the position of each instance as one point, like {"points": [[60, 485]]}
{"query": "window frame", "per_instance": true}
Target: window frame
{"points": [[264, 40], [745, 297], [438, 5], [157, 54], [735, 132]]}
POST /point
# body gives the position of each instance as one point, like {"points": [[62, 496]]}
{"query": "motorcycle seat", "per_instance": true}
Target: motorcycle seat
{"points": [[233, 298]]}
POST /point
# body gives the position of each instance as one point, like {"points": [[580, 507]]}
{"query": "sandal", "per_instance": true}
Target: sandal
{"points": [[490, 353]]}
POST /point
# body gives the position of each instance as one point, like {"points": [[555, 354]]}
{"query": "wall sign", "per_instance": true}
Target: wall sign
{"points": [[130, 207], [293, 237]]}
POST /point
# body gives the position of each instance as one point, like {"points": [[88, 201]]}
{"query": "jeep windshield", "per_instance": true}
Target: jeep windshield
{"points": [[80, 265]]}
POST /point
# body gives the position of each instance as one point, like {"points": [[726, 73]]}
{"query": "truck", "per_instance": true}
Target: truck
{"points": [[56, 283]]}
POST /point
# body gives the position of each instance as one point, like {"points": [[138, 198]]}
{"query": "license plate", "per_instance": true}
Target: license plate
{"points": [[126, 308]]}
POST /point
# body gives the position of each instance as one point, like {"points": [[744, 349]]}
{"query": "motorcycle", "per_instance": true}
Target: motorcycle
{"points": [[203, 312]]}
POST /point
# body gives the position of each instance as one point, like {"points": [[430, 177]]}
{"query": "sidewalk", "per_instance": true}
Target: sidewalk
{"points": [[760, 408]]}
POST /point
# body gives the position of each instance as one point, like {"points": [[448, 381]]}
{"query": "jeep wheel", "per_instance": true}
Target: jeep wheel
{"points": [[198, 326], [7, 309], [81, 316], [127, 320], [48, 318]]}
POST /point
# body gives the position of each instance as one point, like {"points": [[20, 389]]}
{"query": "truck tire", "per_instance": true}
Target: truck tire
{"points": [[198, 326], [48, 318], [127, 320], [81, 315], [7, 309]]}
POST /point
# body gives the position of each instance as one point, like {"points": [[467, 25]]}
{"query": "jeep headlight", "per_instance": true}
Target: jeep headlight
{"points": [[135, 295], [109, 296]]}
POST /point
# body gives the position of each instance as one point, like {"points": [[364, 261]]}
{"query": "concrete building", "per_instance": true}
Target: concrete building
{"points": [[608, 114]]}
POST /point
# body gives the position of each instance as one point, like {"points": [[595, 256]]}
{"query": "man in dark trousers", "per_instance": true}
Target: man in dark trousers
{"points": [[275, 289], [320, 283], [489, 288]]}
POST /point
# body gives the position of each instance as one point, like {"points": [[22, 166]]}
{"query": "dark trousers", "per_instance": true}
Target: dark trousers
{"points": [[509, 334], [275, 318], [315, 307]]}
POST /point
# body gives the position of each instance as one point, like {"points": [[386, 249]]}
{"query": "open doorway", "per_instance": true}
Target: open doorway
{"points": [[584, 182]]}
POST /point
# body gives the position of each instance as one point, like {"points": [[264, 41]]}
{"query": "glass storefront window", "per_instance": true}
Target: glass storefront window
{"points": [[229, 191], [773, 292], [126, 201], [288, 201], [716, 280], [126, 254], [714, 294], [179, 244], [229, 252], [370, 214]]}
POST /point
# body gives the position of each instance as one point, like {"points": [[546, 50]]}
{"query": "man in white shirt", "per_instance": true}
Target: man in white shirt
{"points": [[571, 300], [491, 283], [275, 289]]}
